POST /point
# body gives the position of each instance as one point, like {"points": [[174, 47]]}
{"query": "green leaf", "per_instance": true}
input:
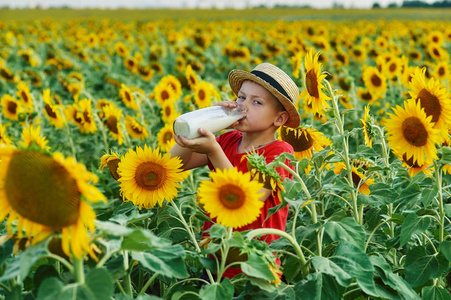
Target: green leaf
{"points": [[445, 249], [100, 283], [163, 261], [428, 194], [391, 280], [50, 289], [318, 286], [421, 266], [111, 228], [217, 291], [346, 230], [257, 266], [435, 293], [448, 210], [292, 268], [413, 224], [324, 265], [446, 155], [356, 263]]}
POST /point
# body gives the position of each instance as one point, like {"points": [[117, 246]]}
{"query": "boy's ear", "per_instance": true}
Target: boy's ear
{"points": [[282, 118]]}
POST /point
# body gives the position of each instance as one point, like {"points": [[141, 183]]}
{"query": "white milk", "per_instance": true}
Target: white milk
{"points": [[214, 119]]}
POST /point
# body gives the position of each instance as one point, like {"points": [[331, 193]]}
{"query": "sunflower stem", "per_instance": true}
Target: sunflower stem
{"points": [[191, 234], [225, 253], [148, 283], [126, 280], [438, 179], [59, 259], [297, 248], [79, 271]]}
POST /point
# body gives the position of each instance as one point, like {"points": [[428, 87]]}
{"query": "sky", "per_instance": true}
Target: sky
{"points": [[111, 4]]}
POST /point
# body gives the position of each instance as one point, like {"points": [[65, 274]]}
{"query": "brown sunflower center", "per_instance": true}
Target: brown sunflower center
{"points": [[25, 97], [150, 175], [367, 96], [356, 178], [164, 95], [41, 190], [12, 107], [231, 196], [128, 97], [201, 95], [430, 103], [112, 166], [376, 80], [300, 140], [414, 131], [441, 71], [111, 123], [312, 84], [167, 137], [410, 161], [50, 112]]}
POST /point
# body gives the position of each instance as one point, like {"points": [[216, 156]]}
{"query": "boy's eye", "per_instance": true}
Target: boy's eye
{"points": [[257, 102]]}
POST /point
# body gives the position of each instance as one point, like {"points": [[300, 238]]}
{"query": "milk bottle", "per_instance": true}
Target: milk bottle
{"points": [[214, 119]]}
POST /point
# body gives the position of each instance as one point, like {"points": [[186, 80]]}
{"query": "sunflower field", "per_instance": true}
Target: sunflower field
{"points": [[92, 205]]}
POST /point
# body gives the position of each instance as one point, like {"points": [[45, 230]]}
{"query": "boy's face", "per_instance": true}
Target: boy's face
{"points": [[261, 106]]}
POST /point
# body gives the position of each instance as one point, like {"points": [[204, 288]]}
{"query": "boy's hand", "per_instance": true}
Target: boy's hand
{"points": [[205, 144]]}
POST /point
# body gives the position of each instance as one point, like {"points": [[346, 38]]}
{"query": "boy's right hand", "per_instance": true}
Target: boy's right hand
{"points": [[205, 144]]}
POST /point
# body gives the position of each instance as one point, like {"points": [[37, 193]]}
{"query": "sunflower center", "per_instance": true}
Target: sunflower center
{"points": [[112, 166], [231, 196], [356, 179], [201, 95], [50, 112], [312, 84], [167, 136], [430, 103], [111, 123], [150, 175], [376, 80], [367, 96], [441, 71], [164, 95], [25, 97], [12, 107], [128, 97], [41, 190], [414, 131]]}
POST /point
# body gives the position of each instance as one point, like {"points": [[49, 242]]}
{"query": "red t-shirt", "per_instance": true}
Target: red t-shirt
{"points": [[229, 142]]}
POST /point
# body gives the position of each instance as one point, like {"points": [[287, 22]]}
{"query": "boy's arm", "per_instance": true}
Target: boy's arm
{"points": [[196, 152]]}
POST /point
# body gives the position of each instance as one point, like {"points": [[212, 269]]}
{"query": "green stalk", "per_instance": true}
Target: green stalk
{"points": [[312, 207], [79, 272], [297, 248], [438, 179], [340, 126], [191, 234], [224, 252], [127, 280], [148, 283]]}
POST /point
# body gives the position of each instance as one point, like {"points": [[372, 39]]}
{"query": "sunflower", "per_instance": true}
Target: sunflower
{"points": [[75, 89], [366, 95], [374, 80], [358, 178], [410, 131], [297, 64], [437, 52], [367, 127], [412, 167], [165, 137], [23, 92], [56, 198], [359, 53], [112, 162], [433, 98], [4, 139], [435, 37], [164, 93], [169, 113], [81, 114], [441, 71], [148, 178], [305, 141], [11, 108], [121, 49], [52, 111], [174, 83], [313, 82], [31, 136], [231, 197], [145, 73], [135, 129], [7, 75], [203, 94], [131, 64], [111, 121], [126, 95], [191, 76]]}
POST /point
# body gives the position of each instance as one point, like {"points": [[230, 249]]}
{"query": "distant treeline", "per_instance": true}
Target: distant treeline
{"points": [[405, 4]]}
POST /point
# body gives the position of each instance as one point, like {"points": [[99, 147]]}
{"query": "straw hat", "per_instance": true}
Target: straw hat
{"points": [[277, 82]]}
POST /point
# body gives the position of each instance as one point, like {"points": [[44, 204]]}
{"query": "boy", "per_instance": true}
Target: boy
{"points": [[269, 96]]}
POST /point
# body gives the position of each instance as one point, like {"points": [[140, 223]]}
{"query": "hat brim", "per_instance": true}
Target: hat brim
{"points": [[236, 79]]}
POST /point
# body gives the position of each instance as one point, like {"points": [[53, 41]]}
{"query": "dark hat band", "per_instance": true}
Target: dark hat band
{"points": [[272, 82]]}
